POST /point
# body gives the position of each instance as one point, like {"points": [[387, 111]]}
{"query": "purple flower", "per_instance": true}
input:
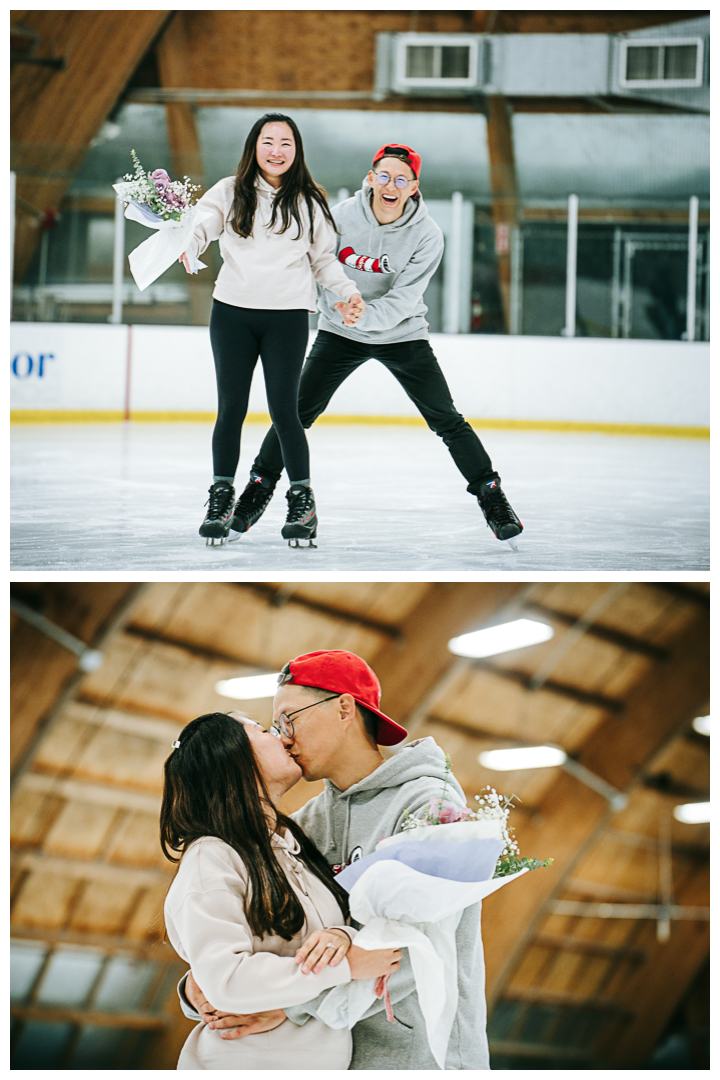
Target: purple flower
{"points": [[160, 179], [448, 814]]}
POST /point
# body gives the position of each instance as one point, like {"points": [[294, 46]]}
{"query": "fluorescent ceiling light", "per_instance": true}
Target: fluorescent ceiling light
{"points": [[248, 689], [522, 757], [692, 813], [498, 639], [702, 725]]}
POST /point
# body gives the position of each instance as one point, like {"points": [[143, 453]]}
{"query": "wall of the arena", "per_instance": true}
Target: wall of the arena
{"points": [[81, 372]]}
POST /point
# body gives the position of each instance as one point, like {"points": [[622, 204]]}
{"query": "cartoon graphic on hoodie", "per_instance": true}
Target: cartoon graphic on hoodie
{"points": [[365, 262]]}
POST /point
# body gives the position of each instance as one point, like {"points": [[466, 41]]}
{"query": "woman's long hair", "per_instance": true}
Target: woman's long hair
{"points": [[295, 185], [213, 787]]}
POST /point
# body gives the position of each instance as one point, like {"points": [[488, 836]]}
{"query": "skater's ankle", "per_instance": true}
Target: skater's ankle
{"points": [[224, 480], [300, 483]]}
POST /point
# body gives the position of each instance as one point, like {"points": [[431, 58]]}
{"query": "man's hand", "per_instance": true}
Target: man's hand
{"points": [[230, 1025], [198, 1000], [352, 311]]}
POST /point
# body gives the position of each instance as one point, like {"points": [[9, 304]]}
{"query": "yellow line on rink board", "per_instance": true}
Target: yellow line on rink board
{"points": [[72, 416]]}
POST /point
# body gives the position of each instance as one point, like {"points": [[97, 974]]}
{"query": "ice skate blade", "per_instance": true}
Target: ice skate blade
{"points": [[295, 543], [215, 541], [511, 542]]}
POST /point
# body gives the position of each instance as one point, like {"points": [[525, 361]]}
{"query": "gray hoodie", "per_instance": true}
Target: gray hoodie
{"points": [[345, 825], [396, 263]]}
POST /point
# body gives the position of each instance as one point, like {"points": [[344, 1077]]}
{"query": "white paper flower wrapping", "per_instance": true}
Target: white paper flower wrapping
{"points": [[411, 893], [154, 256]]}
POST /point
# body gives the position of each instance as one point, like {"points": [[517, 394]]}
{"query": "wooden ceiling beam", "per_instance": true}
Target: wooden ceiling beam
{"points": [[538, 996], [47, 1014], [683, 592], [279, 596], [158, 951], [569, 943], [162, 637], [552, 686], [101, 794], [626, 642], [544, 1051], [409, 671], [129, 877], [43, 675], [572, 817]]}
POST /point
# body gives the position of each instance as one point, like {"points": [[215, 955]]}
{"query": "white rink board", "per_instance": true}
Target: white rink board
{"points": [[83, 366], [494, 377]]}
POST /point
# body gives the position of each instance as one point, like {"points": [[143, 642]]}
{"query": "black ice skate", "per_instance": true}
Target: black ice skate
{"points": [[499, 514], [216, 525], [301, 521], [252, 503]]}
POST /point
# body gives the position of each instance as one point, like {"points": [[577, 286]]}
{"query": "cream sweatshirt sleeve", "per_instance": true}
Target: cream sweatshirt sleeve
{"points": [[218, 946], [215, 201], [327, 269]]}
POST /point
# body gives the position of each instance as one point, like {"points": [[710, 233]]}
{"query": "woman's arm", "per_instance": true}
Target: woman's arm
{"points": [[211, 228], [218, 943], [326, 268]]}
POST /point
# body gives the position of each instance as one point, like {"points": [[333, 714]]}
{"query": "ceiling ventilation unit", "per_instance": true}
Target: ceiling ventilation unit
{"points": [[670, 66]]}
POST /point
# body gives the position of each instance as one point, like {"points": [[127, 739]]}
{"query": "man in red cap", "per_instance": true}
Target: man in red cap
{"points": [[326, 710], [391, 247]]}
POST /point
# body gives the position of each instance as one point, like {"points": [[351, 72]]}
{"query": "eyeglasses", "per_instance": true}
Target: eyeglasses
{"points": [[384, 178], [285, 725]]}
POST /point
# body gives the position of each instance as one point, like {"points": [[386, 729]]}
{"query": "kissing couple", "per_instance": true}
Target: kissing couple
{"points": [[255, 909]]}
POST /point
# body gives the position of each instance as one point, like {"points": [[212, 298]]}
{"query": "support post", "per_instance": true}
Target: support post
{"points": [[571, 278], [13, 179], [692, 268], [504, 188], [118, 262], [454, 269]]}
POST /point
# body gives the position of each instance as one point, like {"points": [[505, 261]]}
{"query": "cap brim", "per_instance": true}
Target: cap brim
{"points": [[389, 733]]}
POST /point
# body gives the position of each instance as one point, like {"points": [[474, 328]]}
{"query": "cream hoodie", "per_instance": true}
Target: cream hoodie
{"points": [[269, 269], [240, 973]]}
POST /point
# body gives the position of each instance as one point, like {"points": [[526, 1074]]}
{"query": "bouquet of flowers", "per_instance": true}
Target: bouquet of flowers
{"points": [[156, 197], [411, 893], [163, 204]]}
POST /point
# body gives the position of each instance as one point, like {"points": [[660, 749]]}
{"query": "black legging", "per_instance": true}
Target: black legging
{"points": [[238, 336]]}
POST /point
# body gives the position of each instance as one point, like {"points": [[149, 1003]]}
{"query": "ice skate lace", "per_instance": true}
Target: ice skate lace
{"points": [[495, 505], [221, 497], [299, 502]]}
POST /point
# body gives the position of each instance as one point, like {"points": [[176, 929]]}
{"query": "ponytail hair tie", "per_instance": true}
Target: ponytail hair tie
{"points": [[175, 745]]}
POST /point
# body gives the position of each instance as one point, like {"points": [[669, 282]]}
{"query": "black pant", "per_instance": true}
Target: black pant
{"points": [[414, 365], [238, 336]]}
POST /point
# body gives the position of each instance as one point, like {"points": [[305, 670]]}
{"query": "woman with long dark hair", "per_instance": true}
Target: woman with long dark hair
{"points": [[277, 239], [250, 890]]}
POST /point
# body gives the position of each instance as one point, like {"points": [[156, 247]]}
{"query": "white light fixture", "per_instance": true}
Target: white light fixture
{"points": [[522, 757], [503, 638], [248, 689], [702, 725], [694, 813]]}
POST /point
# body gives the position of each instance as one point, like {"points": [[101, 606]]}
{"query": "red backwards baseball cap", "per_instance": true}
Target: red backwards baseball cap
{"points": [[344, 673], [413, 158]]}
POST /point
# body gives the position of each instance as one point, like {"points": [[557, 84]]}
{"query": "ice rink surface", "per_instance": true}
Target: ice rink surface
{"points": [[109, 497]]}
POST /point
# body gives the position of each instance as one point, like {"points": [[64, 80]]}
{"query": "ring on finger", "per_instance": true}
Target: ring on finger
{"points": [[330, 945]]}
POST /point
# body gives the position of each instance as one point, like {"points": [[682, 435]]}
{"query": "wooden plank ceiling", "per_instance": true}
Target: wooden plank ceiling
{"points": [[617, 690]]}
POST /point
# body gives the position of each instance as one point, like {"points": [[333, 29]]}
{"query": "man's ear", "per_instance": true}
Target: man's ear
{"points": [[347, 707]]}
